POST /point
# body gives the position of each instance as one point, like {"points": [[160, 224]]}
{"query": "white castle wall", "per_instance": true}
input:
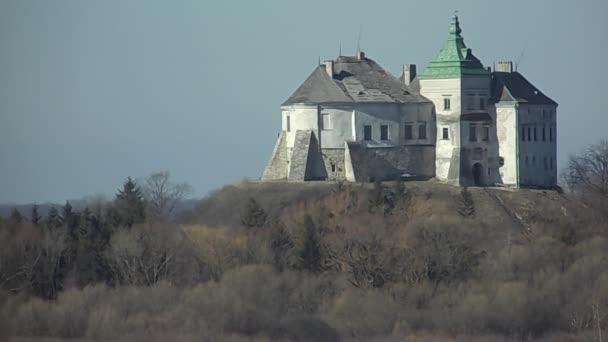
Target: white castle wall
{"points": [[437, 90], [506, 131], [348, 122]]}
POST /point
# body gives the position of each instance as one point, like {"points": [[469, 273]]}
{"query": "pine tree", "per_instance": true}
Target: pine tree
{"points": [[310, 256], [130, 203], [16, 217], [254, 215], [53, 220], [281, 245], [70, 218], [35, 216], [466, 205]]}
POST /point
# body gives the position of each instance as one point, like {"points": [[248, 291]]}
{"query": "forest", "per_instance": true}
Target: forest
{"points": [[254, 261]]}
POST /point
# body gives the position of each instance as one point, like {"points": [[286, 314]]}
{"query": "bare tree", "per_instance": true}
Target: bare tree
{"points": [[371, 263], [148, 253], [586, 176], [588, 171], [163, 195]]}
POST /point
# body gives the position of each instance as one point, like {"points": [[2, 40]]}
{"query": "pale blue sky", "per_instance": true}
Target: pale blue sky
{"points": [[94, 91]]}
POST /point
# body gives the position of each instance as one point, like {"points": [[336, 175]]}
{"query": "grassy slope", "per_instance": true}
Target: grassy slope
{"points": [[514, 211]]}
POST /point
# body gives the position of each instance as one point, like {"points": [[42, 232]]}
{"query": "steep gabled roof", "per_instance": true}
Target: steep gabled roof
{"points": [[354, 80], [455, 59], [513, 86], [318, 88]]}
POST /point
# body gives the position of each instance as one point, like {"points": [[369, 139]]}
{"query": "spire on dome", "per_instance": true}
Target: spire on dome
{"points": [[455, 26], [455, 59]]}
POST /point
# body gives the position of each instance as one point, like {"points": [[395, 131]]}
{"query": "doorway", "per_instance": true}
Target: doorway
{"points": [[477, 174]]}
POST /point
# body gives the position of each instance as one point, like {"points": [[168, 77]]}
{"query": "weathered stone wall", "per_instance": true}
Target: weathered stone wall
{"points": [[389, 163], [277, 165], [306, 162], [333, 160]]}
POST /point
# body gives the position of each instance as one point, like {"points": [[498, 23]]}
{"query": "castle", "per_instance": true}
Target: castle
{"points": [[457, 121]]}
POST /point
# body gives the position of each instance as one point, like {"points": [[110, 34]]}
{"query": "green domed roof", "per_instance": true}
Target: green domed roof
{"points": [[455, 59]]}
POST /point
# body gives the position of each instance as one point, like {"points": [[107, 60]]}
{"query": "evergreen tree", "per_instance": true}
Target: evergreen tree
{"points": [[85, 221], [130, 204], [16, 217], [254, 215], [281, 245], [466, 205], [53, 220], [35, 216], [70, 218], [310, 256]]}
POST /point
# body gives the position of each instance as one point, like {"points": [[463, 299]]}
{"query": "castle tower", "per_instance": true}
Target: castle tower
{"points": [[459, 86]]}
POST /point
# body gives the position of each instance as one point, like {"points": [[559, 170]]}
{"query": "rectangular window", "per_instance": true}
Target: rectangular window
{"points": [[527, 161], [288, 123], [486, 133], [482, 104], [422, 131], [529, 135], [535, 133], [533, 160], [383, 132], [523, 133], [446, 103], [551, 163], [327, 122], [544, 136], [367, 132], [545, 163], [470, 102], [333, 167], [407, 134], [446, 133], [472, 132], [550, 133]]}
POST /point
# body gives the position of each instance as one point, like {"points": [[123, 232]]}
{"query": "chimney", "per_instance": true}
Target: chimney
{"points": [[409, 73], [329, 68], [504, 66], [360, 55]]}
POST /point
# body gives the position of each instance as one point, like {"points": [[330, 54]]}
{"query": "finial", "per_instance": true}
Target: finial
{"points": [[455, 26], [359, 40]]}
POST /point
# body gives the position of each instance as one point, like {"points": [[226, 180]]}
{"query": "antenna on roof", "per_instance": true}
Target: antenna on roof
{"points": [[521, 56], [340, 51], [359, 39]]}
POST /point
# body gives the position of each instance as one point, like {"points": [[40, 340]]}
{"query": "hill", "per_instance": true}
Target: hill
{"points": [[506, 211], [419, 261]]}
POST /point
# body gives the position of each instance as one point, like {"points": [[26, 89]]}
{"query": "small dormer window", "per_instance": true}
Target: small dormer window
{"points": [[288, 123]]}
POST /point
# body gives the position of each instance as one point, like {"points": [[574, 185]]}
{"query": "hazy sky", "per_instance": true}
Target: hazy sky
{"points": [[94, 91]]}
